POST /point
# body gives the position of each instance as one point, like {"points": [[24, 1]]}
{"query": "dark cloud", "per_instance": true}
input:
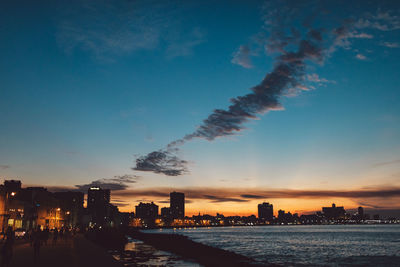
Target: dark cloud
{"points": [[251, 196], [120, 203], [370, 205], [4, 167], [246, 194], [223, 199], [116, 183], [161, 161]]}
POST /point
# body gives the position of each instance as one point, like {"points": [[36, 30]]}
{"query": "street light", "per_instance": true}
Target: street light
{"points": [[6, 208]]}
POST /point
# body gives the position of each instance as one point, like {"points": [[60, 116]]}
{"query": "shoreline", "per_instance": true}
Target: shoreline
{"points": [[189, 249]]}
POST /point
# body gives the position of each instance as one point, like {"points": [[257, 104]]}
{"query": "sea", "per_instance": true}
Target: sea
{"points": [[305, 245]]}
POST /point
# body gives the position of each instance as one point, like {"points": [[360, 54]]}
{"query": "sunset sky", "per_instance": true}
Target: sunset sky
{"points": [[88, 89]]}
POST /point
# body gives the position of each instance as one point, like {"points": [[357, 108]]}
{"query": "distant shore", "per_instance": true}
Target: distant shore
{"points": [[369, 222]]}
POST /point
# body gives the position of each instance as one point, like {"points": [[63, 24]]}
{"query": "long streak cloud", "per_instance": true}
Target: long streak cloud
{"points": [[295, 50]]}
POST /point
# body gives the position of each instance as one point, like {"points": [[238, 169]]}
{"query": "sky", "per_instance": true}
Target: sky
{"points": [[231, 102]]}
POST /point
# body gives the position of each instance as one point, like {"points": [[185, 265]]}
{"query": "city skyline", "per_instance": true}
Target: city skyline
{"points": [[96, 201], [231, 103]]}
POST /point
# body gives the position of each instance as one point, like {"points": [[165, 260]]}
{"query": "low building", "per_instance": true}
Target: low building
{"points": [[334, 213]]}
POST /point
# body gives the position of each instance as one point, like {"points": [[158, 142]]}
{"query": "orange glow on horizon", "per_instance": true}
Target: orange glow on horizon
{"points": [[300, 206]]}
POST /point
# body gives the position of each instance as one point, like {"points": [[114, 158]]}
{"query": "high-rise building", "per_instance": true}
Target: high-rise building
{"points": [[98, 201], [177, 205], [361, 213], [265, 211], [97, 197]]}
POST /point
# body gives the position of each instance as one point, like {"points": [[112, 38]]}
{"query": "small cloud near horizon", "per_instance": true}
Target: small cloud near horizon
{"points": [[361, 57], [116, 183], [384, 163]]}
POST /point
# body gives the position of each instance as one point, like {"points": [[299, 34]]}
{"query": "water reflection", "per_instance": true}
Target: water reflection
{"points": [[136, 253]]}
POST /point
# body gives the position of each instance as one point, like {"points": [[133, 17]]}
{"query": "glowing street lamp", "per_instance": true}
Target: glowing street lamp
{"points": [[6, 211]]}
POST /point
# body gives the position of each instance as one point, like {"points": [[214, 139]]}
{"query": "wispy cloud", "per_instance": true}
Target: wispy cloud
{"points": [[385, 163], [362, 35], [108, 29], [313, 77], [185, 47], [390, 44], [242, 57], [382, 20], [4, 167], [361, 57]]}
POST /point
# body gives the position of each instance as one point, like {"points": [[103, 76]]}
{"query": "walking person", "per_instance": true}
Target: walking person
{"points": [[66, 234], [61, 234], [37, 242], [55, 236], [45, 235], [7, 249]]}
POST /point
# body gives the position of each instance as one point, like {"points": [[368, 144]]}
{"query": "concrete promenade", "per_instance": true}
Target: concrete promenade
{"points": [[77, 251]]}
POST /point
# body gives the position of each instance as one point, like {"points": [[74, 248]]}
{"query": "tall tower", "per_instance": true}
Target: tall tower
{"points": [[265, 211], [177, 205], [97, 204]]}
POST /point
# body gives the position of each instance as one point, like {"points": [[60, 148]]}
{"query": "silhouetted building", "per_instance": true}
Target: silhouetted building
{"points": [[177, 205], [165, 212], [266, 211], [127, 218], [334, 213], [98, 202], [360, 213], [71, 203], [12, 186], [147, 211], [113, 216], [287, 218]]}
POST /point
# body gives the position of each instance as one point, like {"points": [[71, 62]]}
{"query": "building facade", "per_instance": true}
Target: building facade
{"points": [[98, 202], [177, 205], [266, 211]]}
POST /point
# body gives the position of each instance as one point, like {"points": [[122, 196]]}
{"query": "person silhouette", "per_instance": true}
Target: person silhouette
{"points": [[45, 235], [7, 249], [37, 242], [55, 236]]}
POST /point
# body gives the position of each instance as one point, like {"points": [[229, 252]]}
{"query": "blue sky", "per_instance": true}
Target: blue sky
{"points": [[88, 87]]}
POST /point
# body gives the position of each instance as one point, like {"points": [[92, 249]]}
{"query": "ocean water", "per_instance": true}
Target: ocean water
{"points": [[306, 245]]}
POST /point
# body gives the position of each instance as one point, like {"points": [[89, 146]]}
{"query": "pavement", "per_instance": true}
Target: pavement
{"points": [[77, 251]]}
